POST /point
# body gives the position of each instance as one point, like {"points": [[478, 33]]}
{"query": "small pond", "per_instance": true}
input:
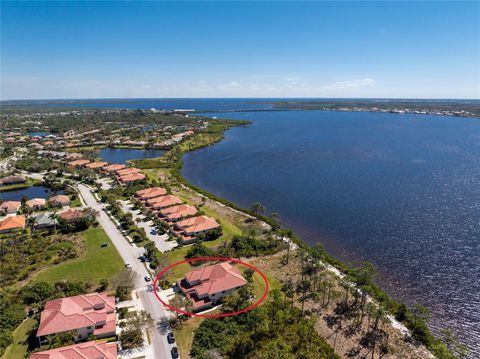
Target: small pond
{"points": [[29, 192]]}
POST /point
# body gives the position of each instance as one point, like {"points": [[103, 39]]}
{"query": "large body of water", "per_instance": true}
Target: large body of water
{"points": [[401, 191], [122, 155]]}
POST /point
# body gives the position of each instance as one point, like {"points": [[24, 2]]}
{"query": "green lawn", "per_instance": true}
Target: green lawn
{"points": [[11, 187], [19, 346], [76, 203], [97, 263]]}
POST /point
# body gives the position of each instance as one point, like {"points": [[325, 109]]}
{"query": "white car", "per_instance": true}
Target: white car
{"points": [[128, 265]]}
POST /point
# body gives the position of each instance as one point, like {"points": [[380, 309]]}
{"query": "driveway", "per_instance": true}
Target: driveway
{"points": [[130, 254]]}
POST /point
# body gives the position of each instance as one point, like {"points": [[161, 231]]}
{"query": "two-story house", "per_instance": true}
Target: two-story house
{"points": [[85, 314]]}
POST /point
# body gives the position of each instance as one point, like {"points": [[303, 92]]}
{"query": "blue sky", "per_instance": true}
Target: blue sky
{"points": [[240, 49]]}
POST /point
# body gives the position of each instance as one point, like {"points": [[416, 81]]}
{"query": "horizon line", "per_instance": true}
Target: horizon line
{"points": [[239, 98]]}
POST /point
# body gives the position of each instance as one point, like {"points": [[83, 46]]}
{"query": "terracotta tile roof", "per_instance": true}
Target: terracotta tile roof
{"points": [[78, 163], [177, 212], [74, 155], [36, 202], [71, 214], [127, 171], [215, 278], [88, 350], [163, 201], [64, 314], [95, 165], [10, 206], [197, 224], [131, 178], [60, 199], [151, 192], [12, 222], [114, 167]]}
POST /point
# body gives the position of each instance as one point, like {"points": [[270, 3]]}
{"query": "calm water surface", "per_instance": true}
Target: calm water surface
{"points": [[30, 192], [402, 191], [121, 155], [38, 134]]}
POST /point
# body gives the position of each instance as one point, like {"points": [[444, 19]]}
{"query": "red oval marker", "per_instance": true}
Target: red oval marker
{"points": [[210, 315]]}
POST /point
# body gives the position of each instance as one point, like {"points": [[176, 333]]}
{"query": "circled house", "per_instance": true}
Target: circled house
{"points": [[205, 287]]}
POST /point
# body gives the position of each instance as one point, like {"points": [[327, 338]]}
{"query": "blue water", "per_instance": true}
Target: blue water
{"points": [[121, 155], [207, 104], [401, 191], [38, 134], [30, 192]]}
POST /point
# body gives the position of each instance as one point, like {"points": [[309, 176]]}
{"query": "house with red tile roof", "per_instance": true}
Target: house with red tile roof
{"points": [[96, 165], [131, 178], [10, 206], [88, 350], [84, 314], [188, 230], [163, 202], [113, 168], [176, 213], [206, 286], [149, 193], [71, 215], [59, 200], [127, 171], [36, 203], [12, 224], [78, 163], [12, 180]]}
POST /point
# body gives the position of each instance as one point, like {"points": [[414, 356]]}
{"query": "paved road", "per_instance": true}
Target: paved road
{"points": [[130, 254]]}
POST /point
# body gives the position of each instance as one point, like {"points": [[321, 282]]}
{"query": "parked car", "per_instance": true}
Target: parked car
{"points": [[170, 338], [153, 231], [128, 265], [147, 278], [174, 352], [104, 245]]}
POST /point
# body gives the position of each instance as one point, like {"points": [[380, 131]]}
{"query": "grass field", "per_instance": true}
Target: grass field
{"points": [[97, 263], [11, 187], [19, 346]]}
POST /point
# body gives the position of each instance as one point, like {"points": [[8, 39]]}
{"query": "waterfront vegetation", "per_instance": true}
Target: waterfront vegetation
{"points": [[29, 182]]}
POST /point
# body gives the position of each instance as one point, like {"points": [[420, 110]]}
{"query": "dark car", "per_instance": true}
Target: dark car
{"points": [[170, 338], [174, 352], [104, 245]]}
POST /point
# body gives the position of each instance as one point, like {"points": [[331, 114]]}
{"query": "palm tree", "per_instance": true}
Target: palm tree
{"points": [[257, 208], [275, 217]]}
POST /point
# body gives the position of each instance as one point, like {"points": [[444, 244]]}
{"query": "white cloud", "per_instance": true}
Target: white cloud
{"points": [[353, 83]]}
